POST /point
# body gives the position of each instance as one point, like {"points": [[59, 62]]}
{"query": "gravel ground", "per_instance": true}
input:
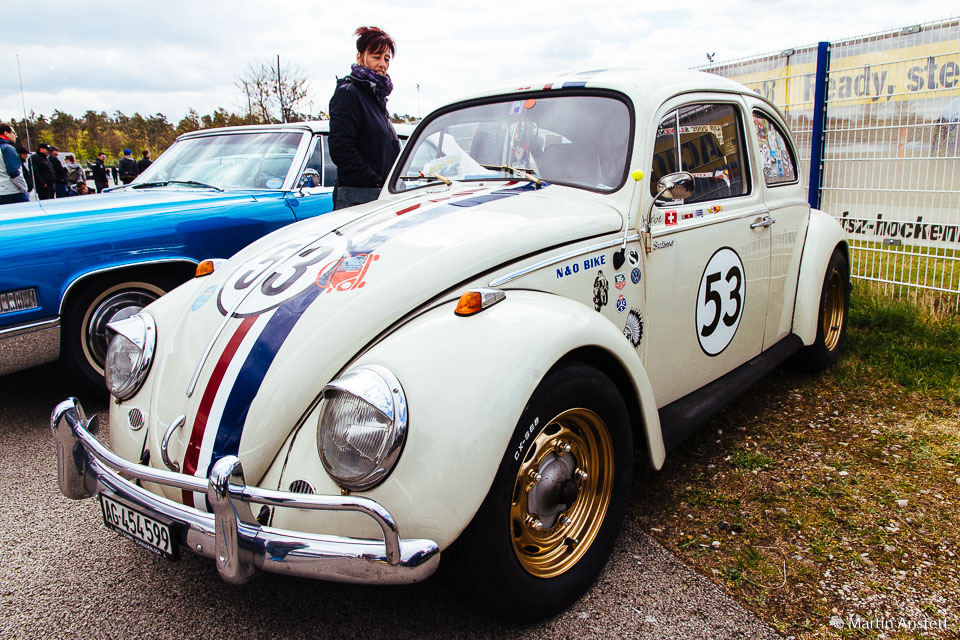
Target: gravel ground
{"points": [[63, 575]]}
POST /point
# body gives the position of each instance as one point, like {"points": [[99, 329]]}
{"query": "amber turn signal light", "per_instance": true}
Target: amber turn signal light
{"points": [[205, 268], [476, 300]]}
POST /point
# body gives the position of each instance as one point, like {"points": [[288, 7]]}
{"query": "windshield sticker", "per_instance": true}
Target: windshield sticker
{"points": [[273, 183], [516, 108], [600, 289], [670, 218], [621, 304], [633, 330], [635, 276], [588, 265], [633, 257], [619, 280]]}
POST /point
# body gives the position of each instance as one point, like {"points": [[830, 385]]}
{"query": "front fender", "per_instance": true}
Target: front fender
{"points": [[467, 380], [824, 236]]}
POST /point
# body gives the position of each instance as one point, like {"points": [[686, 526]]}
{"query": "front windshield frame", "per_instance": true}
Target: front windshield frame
{"points": [[507, 98], [155, 172]]}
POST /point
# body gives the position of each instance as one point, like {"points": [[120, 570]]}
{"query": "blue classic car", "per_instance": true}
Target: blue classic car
{"points": [[70, 266]]}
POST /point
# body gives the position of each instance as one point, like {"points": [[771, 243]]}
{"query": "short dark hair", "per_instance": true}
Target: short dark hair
{"points": [[5, 128], [146, 152], [374, 40], [22, 151]]}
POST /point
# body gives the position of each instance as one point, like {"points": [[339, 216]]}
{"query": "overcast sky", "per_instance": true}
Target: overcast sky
{"points": [[170, 56]]}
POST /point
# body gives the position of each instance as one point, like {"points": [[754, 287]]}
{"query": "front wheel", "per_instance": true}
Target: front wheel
{"points": [[548, 524], [86, 317], [832, 317]]}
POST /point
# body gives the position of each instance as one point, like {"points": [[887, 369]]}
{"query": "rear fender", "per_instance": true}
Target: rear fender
{"points": [[824, 236]]}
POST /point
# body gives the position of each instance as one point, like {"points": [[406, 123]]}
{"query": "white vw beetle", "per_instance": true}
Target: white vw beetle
{"points": [[558, 276]]}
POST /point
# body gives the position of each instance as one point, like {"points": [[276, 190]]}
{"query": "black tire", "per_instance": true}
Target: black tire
{"points": [[86, 315], [523, 574], [831, 319]]}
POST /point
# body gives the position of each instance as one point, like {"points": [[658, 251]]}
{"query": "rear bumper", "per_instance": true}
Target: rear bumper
{"points": [[230, 535]]}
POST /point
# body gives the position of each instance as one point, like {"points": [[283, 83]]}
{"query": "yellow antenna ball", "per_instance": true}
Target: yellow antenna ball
{"points": [[637, 175]]}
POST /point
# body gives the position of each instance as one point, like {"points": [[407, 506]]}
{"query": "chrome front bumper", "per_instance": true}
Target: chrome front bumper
{"points": [[231, 536]]}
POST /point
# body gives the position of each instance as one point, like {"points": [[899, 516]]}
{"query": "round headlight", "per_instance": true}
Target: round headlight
{"points": [[362, 427], [129, 354]]}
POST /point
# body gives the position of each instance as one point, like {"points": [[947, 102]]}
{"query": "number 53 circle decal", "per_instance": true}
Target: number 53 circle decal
{"points": [[720, 301]]}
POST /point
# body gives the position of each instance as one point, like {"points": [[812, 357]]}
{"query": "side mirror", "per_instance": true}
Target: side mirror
{"points": [[309, 178], [677, 185]]}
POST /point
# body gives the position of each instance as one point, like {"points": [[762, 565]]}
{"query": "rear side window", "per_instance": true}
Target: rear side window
{"points": [[706, 140], [778, 159]]}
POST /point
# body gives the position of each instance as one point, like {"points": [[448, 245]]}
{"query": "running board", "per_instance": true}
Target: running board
{"points": [[682, 417]]}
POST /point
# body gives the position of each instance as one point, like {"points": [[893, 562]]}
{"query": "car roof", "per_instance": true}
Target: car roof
{"points": [[315, 126], [646, 87]]}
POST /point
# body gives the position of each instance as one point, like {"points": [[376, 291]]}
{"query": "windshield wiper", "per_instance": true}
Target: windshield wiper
{"points": [[529, 174], [434, 176], [190, 183]]}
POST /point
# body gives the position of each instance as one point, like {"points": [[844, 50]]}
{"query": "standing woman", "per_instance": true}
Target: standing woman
{"points": [[363, 143]]}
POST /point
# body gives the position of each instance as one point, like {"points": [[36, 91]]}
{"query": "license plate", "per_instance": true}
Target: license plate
{"points": [[152, 535]]}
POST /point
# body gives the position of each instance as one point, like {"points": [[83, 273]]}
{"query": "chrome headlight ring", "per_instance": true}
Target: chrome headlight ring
{"points": [[362, 426], [130, 354]]}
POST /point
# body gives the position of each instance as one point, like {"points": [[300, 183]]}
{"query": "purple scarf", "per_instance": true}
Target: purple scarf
{"points": [[381, 85]]}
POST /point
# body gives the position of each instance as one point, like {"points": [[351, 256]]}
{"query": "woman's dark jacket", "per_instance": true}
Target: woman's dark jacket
{"points": [[363, 143]]}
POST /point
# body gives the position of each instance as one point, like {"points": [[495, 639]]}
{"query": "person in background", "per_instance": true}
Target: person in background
{"points": [[13, 186], [144, 162], [42, 172], [99, 171], [74, 173], [23, 153], [363, 143], [59, 172], [127, 167], [116, 177], [82, 189]]}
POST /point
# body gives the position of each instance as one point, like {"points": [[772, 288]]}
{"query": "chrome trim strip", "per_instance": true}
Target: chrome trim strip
{"points": [[230, 535], [29, 327], [761, 211], [29, 345], [561, 258], [118, 267]]}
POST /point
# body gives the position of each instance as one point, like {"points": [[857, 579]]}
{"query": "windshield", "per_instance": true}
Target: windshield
{"points": [[577, 140], [254, 160]]}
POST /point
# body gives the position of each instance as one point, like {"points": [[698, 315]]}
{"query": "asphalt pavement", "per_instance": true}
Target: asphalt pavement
{"points": [[64, 575]]}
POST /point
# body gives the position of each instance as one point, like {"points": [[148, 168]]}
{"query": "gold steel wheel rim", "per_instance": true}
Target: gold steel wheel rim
{"points": [[577, 436], [833, 311]]}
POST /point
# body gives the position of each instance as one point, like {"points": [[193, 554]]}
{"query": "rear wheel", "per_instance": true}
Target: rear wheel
{"points": [[87, 315], [832, 318], [548, 524]]}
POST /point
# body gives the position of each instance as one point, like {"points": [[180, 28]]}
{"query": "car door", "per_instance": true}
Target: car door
{"points": [[707, 273], [315, 200], [775, 168]]}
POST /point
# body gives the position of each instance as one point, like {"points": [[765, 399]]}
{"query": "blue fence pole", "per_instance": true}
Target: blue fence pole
{"points": [[819, 115]]}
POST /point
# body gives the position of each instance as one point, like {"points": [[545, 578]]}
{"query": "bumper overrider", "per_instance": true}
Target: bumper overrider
{"points": [[231, 535]]}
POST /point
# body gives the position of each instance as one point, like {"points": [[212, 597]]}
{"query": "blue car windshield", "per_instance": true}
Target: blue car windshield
{"points": [[250, 160]]}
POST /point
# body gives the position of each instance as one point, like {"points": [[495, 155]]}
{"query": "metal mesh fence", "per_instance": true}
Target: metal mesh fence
{"points": [[891, 149]]}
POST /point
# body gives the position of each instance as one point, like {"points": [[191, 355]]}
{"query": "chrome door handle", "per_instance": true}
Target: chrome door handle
{"points": [[766, 221]]}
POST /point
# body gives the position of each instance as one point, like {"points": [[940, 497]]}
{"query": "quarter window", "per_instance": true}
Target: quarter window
{"points": [[705, 140], [779, 165]]}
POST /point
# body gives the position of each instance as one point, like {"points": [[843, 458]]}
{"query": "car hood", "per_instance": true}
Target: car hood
{"points": [[106, 206], [265, 333]]}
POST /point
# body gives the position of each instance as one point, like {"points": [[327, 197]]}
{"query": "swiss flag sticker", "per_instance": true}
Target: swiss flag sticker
{"points": [[670, 217]]}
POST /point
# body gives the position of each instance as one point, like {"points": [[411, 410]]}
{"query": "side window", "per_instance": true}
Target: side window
{"points": [[779, 161], [329, 173], [707, 139]]}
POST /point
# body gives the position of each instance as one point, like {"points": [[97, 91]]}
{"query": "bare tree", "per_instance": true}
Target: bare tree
{"points": [[274, 92]]}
